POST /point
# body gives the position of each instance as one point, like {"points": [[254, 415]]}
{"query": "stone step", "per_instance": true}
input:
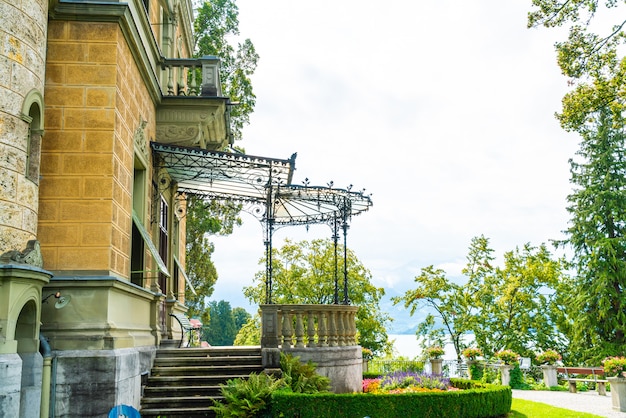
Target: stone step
{"points": [[236, 369], [200, 361], [180, 391], [180, 402], [177, 412], [192, 380], [235, 351]]}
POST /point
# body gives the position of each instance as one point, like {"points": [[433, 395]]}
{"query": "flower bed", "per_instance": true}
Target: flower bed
{"points": [[406, 382]]}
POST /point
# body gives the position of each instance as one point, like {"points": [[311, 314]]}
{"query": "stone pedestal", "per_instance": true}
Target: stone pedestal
{"points": [[505, 373], [549, 375], [435, 365], [618, 393]]}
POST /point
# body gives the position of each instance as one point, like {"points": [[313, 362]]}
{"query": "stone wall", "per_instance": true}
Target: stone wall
{"points": [[22, 66], [95, 101]]}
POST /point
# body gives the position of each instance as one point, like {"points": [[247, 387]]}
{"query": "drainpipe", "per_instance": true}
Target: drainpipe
{"points": [[46, 352]]}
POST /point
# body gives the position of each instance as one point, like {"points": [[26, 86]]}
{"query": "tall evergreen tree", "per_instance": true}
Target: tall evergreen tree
{"points": [[597, 234], [221, 329]]}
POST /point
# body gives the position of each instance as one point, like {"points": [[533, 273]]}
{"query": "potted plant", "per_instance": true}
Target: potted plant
{"points": [[472, 353], [614, 368], [367, 356], [474, 368], [548, 357], [509, 359], [434, 353], [548, 360]]}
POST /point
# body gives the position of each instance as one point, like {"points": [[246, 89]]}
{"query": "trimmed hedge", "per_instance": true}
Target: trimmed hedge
{"points": [[476, 400]]}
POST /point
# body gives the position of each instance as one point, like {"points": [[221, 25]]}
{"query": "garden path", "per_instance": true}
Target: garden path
{"points": [[589, 402]]}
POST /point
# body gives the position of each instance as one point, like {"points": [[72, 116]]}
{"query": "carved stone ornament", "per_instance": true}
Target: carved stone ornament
{"points": [[140, 138], [31, 255]]}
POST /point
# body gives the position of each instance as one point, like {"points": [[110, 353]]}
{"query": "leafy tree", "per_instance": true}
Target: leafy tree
{"points": [[303, 273], [204, 218], [592, 56], [222, 328], [216, 22], [241, 317], [445, 298], [250, 332], [513, 307], [597, 234]]}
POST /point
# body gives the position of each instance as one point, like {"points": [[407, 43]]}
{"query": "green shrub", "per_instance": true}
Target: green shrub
{"points": [[476, 370], [517, 379], [247, 397], [477, 401], [302, 377]]}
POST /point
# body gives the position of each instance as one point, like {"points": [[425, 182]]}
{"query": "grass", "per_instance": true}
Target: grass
{"points": [[522, 408]]}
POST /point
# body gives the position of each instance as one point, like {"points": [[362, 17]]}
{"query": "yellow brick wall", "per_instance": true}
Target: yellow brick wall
{"points": [[95, 99]]}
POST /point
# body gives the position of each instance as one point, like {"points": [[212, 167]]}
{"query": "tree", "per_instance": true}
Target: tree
{"points": [[303, 273], [592, 56], [241, 317], [435, 292], [222, 328], [597, 235], [512, 307], [515, 306], [203, 219], [216, 21]]}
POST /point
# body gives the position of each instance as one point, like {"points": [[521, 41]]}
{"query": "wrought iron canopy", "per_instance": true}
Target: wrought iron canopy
{"points": [[222, 174], [264, 186]]}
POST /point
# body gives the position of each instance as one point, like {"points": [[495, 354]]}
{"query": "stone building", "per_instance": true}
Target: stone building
{"points": [[91, 234]]}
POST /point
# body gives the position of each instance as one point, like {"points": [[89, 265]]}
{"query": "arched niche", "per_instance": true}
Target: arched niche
{"points": [[32, 113], [27, 329]]}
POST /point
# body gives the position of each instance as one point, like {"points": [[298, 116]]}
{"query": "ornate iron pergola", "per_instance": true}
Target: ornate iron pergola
{"points": [[264, 188]]}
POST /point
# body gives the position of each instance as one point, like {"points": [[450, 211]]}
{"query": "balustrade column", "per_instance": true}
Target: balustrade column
{"points": [[332, 329], [299, 330], [310, 326], [322, 332], [287, 330]]}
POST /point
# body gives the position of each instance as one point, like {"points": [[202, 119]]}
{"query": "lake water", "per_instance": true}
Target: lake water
{"points": [[407, 345]]}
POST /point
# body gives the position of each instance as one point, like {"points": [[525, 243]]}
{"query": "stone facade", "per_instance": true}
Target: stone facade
{"points": [[73, 173], [22, 69]]}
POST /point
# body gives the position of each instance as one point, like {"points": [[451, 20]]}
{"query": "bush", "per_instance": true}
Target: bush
{"points": [[507, 356], [548, 357], [614, 366], [302, 378], [476, 401], [471, 353], [247, 397], [517, 379]]}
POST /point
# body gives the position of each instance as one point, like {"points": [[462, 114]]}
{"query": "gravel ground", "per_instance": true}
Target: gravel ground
{"points": [[589, 402]]}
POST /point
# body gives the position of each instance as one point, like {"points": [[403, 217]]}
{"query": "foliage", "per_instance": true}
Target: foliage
{"points": [[515, 306], [596, 298], [241, 317], [591, 57], [447, 299], [517, 379], [302, 377], [474, 401], [614, 366], [476, 370], [303, 273], [507, 356], [472, 353], [250, 332], [216, 22], [549, 356], [434, 352], [246, 397], [221, 329], [204, 218]]}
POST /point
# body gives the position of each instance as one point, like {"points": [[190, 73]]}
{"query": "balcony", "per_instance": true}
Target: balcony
{"points": [[322, 334], [192, 111]]}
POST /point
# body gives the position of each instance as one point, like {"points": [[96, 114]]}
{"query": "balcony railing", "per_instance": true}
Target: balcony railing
{"points": [[191, 77], [308, 326]]}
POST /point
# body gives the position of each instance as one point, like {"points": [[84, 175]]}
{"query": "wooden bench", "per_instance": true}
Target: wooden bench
{"points": [[596, 373], [186, 327]]}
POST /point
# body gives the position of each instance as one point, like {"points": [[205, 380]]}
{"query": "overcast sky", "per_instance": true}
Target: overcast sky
{"points": [[442, 109]]}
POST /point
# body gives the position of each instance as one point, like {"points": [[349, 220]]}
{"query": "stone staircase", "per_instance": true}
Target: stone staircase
{"points": [[184, 382]]}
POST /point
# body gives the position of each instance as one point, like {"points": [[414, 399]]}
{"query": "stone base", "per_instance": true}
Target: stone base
{"points": [[342, 365], [11, 378], [91, 382]]}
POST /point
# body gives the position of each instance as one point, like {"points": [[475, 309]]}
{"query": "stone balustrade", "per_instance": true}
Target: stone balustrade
{"points": [[182, 77], [308, 326]]}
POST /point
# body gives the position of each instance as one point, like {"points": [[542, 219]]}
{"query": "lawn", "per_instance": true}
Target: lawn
{"points": [[522, 408]]}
